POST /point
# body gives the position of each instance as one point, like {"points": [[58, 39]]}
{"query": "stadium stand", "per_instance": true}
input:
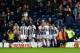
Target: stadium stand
{"points": [[24, 20]]}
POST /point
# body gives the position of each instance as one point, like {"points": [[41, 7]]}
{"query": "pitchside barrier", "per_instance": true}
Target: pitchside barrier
{"points": [[35, 45], [21, 45], [1, 44], [6, 45], [70, 44]]}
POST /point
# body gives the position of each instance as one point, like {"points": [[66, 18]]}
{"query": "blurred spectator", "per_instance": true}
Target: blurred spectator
{"points": [[67, 10], [1, 38], [12, 16], [50, 21], [8, 16], [4, 27], [75, 12], [10, 25], [68, 20], [4, 15], [5, 37], [25, 10]]}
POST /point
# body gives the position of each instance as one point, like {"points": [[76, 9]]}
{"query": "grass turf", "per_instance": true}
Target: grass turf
{"points": [[39, 50]]}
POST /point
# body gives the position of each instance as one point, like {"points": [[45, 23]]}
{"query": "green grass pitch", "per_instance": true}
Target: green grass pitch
{"points": [[39, 50]]}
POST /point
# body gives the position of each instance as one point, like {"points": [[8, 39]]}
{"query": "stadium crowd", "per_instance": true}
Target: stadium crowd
{"points": [[48, 21]]}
